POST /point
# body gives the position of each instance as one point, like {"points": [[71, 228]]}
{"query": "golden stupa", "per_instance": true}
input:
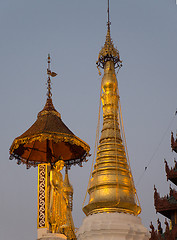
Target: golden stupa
{"points": [[111, 187]]}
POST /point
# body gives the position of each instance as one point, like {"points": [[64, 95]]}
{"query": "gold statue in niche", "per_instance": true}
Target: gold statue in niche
{"points": [[60, 202]]}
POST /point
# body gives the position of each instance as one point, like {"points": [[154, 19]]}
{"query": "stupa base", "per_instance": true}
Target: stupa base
{"points": [[43, 234], [112, 226]]}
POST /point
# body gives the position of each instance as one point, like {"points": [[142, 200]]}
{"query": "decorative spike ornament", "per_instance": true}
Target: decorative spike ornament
{"points": [[109, 52]]}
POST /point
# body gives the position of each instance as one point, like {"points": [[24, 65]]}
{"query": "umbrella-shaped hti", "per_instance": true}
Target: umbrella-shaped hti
{"points": [[49, 140]]}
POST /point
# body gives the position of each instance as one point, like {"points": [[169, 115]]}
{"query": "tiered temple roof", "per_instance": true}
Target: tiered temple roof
{"points": [[171, 173], [173, 143], [167, 206]]}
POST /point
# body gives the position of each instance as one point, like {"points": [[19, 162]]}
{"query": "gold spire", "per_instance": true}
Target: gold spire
{"points": [[108, 51], [111, 188], [49, 107], [68, 191]]}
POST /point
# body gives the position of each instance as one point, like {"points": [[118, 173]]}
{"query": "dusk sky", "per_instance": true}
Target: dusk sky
{"points": [[73, 32]]}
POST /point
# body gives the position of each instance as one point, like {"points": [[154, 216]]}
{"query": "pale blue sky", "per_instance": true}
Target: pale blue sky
{"points": [[73, 32]]}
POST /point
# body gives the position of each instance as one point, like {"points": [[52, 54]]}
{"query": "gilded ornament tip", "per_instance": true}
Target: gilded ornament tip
{"points": [[108, 51], [50, 74]]}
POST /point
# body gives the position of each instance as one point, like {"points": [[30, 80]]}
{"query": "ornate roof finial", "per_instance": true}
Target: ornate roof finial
{"points": [[108, 51], [108, 23], [52, 74]]}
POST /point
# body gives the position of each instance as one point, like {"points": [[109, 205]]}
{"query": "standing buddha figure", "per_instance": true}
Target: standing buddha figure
{"points": [[60, 202], [57, 200]]}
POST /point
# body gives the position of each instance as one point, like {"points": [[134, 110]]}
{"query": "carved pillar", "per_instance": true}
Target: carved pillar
{"points": [[43, 182], [43, 201]]}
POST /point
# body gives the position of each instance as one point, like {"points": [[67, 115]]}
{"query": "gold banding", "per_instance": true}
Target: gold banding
{"points": [[111, 188]]}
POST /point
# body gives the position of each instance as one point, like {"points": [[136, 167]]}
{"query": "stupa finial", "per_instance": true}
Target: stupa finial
{"points": [[52, 74], [108, 23], [108, 51]]}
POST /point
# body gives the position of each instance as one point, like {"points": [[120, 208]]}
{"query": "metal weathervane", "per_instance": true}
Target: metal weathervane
{"points": [[52, 74]]}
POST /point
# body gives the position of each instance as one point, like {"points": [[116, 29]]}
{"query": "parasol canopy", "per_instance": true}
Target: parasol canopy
{"points": [[49, 140]]}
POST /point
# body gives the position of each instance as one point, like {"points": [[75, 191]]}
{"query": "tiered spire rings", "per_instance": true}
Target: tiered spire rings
{"points": [[111, 188]]}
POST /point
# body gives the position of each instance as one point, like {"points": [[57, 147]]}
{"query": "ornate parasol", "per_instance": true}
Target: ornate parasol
{"points": [[49, 139]]}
